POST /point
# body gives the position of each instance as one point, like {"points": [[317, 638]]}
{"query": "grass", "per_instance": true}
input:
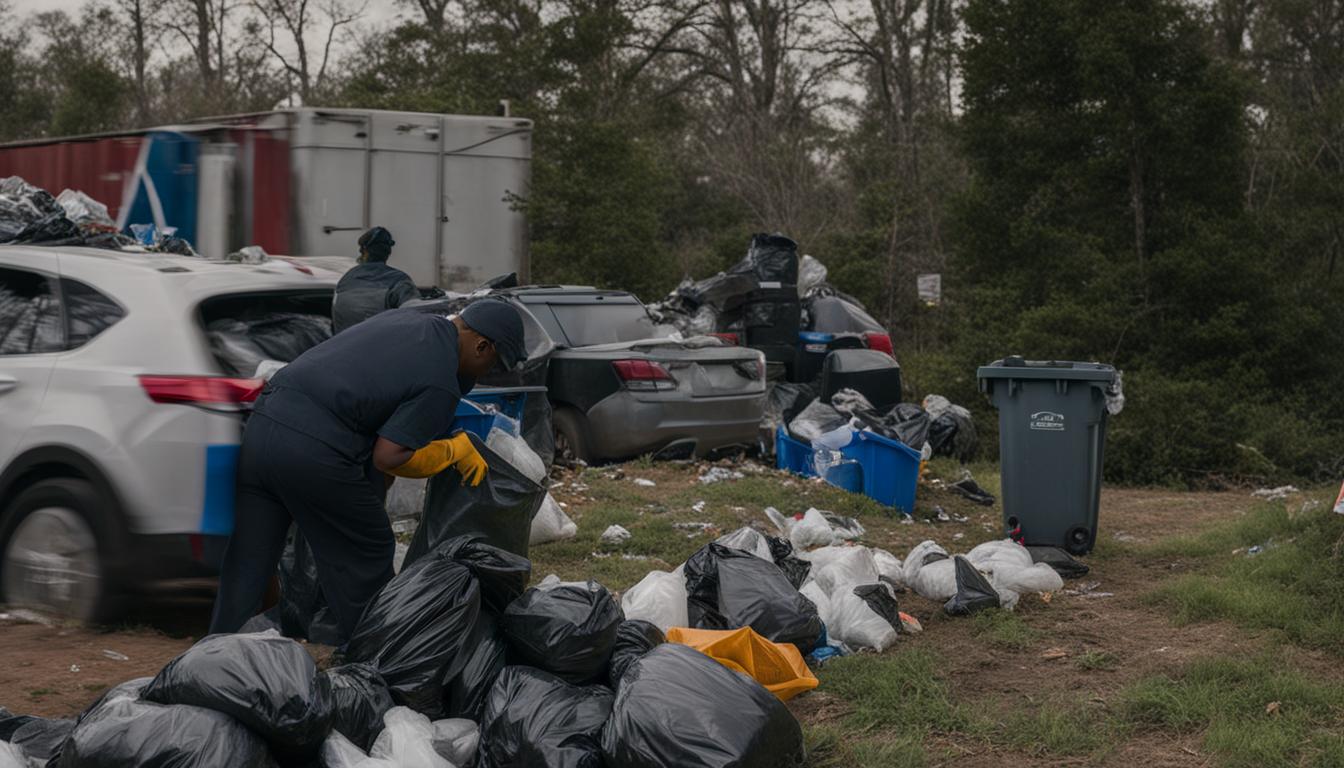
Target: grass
{"points": [[1094, 661], [1003, 629], [1059, 729], [832, 747], [1292, 588], [1226, 701]]}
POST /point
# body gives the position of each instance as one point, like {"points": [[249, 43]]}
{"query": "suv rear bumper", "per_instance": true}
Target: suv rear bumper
{"points": [[623, 425]]}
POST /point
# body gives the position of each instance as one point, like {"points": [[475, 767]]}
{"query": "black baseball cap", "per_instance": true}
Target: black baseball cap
{"points": [[498, 321]]}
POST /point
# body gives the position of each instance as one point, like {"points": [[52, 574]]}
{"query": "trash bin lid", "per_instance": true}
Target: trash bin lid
{"points": [[1017, 368]]}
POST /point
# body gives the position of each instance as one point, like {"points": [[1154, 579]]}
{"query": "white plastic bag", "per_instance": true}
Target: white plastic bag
{"points": [[812, 591], [456, 740], [407, 741], [340, 752], [814, 530], [914, 561], [1001, 552], [551, 524], [659, 598], [889, 567], [1036, 578], [853, 567], [936, 581], [748, 540], [516, 451], [11, 756], [856, 624]]}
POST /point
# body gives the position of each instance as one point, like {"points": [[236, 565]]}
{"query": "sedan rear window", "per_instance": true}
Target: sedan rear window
{"points": [[246, 330], [602, 323]]}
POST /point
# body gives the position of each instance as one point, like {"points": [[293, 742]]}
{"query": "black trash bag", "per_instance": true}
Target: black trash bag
{"points": [[678, 707], [414, 630], [122, 731], [262, 622], [836, 313], [815, 420], [1063, 563], [303, 611], [727, 588], [881, 601], [52, 229], [41, 738], [465, 694], [267, 682], [953, 434], [10, 722], [503, 575], [974, 592], [772, 259], [795, 569], [968, 489], [567, 630], [499, 511], [534, 718], [722, 290], [908, 423], [359, 700], [634, 638]]}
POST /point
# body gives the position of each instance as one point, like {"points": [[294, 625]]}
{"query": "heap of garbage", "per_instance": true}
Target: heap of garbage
{"points": [[771, 290], [31, 215]]}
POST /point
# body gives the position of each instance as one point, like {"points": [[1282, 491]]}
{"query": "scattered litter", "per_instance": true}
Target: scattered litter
{"points": [[969, 489], [694, 526], [640, 481], [74, 667], [1272, 708], [957, 536], [628, 556], [1122, 536], [960, 518], [599, 555], [1255, 550], [1050, 654], [698, 506], [615, 535], [1087, 589], [113, 655], [910, 624], [719, 474], [815, 528], [1275, 494], [1339, 501], [941, 515]]}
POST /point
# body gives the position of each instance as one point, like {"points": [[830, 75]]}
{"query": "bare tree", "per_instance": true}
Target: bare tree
{"points": [[295, 21], [140, 18]]}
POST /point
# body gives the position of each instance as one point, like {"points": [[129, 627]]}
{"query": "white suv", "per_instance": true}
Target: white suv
{"points": [[123, 380]]}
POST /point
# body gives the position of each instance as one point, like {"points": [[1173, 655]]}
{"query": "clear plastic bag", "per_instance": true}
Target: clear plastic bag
{"points": [[853, 567], [515, 450], [748, 539], [659, 598], [407, 741], [456, 740]]}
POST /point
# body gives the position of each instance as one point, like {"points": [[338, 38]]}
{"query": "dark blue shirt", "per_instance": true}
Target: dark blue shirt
{"points": [[368, 289], [393, 375]]}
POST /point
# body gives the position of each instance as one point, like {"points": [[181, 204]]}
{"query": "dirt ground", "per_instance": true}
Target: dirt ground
{"points": [[57, 670]]}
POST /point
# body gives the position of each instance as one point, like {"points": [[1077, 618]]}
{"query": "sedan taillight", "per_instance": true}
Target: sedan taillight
{"points": [[727, 338], [879, 341], [203, 391], [644, 375]]}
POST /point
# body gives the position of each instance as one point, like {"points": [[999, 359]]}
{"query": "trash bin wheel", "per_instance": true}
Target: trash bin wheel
{"points": [[1077, 540]]}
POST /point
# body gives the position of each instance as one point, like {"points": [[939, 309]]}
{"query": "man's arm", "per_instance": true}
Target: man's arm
{"points": [[401, 293], [388, 455]]}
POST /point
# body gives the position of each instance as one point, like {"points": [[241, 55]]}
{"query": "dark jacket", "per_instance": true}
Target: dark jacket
{"points": [[368, 289]]}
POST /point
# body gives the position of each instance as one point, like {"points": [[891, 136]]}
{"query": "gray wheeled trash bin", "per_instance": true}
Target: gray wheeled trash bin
{"points": [[1052, 428]]}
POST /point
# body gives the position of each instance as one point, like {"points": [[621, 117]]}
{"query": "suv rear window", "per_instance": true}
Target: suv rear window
{"points": [[245, 329], [602, 323]]}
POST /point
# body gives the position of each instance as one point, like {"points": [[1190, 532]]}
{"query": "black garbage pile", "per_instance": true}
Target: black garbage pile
{"points": [[938, 425], [31, 215], [728, 588]]}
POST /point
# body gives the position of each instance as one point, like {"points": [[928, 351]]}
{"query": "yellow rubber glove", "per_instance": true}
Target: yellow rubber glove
{"points": [[457, 451]]}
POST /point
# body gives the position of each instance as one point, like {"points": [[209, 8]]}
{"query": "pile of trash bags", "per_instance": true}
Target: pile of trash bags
{"points": [[720, 304], [995, 573], [31, 215], [936, 428]]}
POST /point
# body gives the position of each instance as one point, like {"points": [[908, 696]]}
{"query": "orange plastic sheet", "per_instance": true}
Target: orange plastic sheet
{"points": [[777, 666]]}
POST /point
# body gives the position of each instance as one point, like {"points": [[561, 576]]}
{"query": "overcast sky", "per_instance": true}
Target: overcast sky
{"points": [[378, 10]]}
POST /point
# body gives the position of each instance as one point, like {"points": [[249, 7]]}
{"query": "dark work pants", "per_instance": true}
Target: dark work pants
{"points": [[285, 475]]}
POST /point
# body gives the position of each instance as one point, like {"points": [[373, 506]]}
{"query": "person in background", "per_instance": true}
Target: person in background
{"points": [[377, 400], [372, 286]]}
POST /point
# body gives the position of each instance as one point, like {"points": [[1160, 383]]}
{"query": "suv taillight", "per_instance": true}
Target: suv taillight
{"points": [[879, 341], [643, 375], [204, 391], [727, 338]]}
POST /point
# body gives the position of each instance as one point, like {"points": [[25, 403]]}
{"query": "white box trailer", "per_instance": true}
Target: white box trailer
{"points": [[308, 181]]}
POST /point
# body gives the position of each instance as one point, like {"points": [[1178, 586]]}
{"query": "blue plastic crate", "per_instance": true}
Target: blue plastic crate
{"points": [[508, 401], [890, 469], [793, 455]]}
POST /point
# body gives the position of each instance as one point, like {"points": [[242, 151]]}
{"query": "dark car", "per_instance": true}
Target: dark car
{"points": [[617, 391]]}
